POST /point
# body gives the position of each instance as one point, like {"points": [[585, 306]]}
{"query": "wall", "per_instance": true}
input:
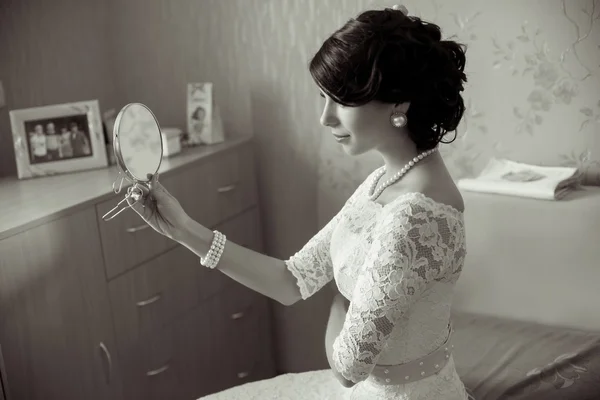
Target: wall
{"points": [[532, 96], [52, 52]]}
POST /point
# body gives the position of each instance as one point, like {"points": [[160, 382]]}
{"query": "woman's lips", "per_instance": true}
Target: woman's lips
{"points": [[340, 136]]}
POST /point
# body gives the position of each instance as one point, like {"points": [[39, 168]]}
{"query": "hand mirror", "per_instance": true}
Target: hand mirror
{"points": [[137, 144]]}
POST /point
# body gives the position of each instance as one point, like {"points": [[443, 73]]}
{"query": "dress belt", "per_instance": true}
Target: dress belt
{"points": [[415, 370]]}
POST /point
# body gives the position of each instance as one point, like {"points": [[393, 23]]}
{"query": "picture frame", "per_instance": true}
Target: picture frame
{"points": [[203, 120], [58, 139]]}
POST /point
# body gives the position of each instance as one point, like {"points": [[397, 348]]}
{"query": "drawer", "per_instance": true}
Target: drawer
{"points": [[176, 361], [197, 356], [202, 352], [191, 187], [217, 189], [244, 230], [241, 329], [154, 366], [127, 240], [154, 294], [232, 187]]}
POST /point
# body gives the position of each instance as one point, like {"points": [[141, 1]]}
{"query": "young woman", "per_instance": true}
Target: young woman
{"points": [[396, 249]]}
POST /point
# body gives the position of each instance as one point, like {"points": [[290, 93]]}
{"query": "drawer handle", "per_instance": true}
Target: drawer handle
{"points": [[137, 228], [237, 315], [149, 301], [243, 375], [158, 371], [225, 189], [108, 361]]}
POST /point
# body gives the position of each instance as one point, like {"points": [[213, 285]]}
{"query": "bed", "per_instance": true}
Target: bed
{"points": [[499, 358], [526, 310], [526, 306]]}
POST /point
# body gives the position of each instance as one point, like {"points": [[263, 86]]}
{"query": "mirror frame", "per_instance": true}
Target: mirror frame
{"points": [[117, 144]]}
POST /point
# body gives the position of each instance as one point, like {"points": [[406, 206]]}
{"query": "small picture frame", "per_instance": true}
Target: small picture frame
{"points": [[58, 139], [203, 121]]}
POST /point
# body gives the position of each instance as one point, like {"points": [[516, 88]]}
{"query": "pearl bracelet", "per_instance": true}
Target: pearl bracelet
{"points": [[216, 250]]}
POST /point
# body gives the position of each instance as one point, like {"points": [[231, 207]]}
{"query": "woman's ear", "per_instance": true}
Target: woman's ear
{"points": [[402, 107]]}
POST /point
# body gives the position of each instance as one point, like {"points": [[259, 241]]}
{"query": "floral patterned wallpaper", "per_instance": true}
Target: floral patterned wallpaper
{"points": [[533, 93]]}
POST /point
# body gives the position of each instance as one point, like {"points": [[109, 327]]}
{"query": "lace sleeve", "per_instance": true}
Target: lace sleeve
{"points": [[311, 266], [411, 249]]}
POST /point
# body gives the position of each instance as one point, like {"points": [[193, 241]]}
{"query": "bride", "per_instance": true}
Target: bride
{"points": [[389, 84]]}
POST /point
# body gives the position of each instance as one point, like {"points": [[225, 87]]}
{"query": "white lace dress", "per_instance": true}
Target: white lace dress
{"points": [[397, 264]]}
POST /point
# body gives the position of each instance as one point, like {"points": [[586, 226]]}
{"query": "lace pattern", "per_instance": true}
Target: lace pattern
{"points": [[413, 247], [312, 265], [317, 256]]}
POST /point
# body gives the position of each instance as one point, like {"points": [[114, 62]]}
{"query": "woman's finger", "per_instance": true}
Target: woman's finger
{"points": [[138, 207], [145, 191], [139, 198], [159, 187], [153, 181]]}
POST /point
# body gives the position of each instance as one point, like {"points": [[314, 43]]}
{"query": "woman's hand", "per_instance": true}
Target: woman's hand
{"points": [[341, 302], [161, 210], [337, 315]]}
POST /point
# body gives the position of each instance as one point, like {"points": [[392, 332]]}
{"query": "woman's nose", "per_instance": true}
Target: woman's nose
{"points": [[328, 118]]}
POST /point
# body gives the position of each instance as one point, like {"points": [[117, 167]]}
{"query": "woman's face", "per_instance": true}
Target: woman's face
{"points": [[358, 129]]}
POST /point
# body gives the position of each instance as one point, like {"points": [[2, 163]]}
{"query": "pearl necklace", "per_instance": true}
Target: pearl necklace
{"points": [[373, 194]]}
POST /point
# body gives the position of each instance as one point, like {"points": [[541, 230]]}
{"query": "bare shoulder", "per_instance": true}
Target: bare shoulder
{"points": [[435, 183], [445, 193]]}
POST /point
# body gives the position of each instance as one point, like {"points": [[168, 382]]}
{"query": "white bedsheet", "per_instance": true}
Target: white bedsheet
{"points": [[310, 385]]}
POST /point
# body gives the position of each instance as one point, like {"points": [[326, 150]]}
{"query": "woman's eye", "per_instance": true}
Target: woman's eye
{"points": [[335, 102]]}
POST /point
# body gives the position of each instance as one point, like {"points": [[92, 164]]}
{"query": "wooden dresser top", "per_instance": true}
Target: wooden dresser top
{"points": [[25, 204]]}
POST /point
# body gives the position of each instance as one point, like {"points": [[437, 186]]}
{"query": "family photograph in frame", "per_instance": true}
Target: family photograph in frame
{"points": [[58, 139]]}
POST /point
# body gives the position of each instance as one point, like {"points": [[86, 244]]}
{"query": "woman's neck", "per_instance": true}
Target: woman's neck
{"points": [[395, 161]]}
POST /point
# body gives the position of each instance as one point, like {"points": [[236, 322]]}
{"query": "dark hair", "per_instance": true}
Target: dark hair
{"points": [[390, 57]]}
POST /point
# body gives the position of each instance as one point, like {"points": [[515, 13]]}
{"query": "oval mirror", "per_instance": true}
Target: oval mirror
{"points": [[137, 143]]}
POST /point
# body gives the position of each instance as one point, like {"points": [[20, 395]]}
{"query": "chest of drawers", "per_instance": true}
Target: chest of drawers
{"points": [[113, 310]]}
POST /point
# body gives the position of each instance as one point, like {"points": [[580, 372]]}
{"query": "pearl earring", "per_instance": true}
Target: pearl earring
{"points": [[398, 119]]}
